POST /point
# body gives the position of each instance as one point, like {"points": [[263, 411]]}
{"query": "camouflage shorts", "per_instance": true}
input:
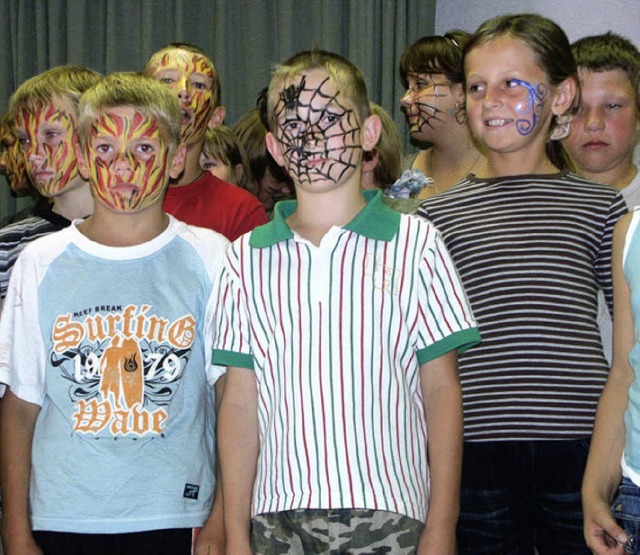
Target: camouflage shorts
{"points": [[334, 531]]}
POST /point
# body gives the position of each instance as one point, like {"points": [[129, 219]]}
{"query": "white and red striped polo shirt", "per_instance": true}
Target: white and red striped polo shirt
{"points": [[336, 335]]}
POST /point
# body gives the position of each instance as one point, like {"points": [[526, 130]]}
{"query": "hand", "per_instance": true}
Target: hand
{"points": [[209, 542], [601, 532]]}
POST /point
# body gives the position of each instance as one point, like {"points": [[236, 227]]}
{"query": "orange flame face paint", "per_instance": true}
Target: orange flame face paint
{"points": [[45, 133], [13, 164], [192, 78], [128, 160]]}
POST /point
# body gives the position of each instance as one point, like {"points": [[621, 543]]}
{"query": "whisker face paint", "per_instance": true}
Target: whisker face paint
{"points": [[318, 132]]}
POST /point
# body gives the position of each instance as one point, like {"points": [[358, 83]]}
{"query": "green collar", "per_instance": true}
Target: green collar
{"points": [[375, 221]]}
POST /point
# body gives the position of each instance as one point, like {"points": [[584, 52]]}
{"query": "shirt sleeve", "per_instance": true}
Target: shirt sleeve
{"points": [[446, 321], [231, 321], [22, 352], [253, 215], [602, 264]]}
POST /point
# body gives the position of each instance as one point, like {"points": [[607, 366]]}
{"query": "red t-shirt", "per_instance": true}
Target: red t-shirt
{"points": [[215, 204]]}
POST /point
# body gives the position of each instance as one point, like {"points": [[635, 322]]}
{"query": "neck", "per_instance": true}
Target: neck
{"points": [[74, 202], [115, 229], [316, 213], [192, 169], [500, 165], [618, 177]]}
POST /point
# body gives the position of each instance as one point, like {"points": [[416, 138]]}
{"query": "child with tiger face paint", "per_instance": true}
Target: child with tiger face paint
{"points": [[43, 115], [194, 196], [147, 373]]}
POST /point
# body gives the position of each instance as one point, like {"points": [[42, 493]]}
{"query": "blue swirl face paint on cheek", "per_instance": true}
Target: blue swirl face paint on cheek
{"points": [[530, 107]]}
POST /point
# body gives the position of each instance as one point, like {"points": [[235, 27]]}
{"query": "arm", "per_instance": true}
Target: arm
{"points": [[603, 473], [211, 538], [442, 398], [17, 422], [238, 443]]}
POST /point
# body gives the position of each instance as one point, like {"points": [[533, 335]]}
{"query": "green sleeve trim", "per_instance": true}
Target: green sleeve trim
{"points": [[460, 340], [231, 358]]}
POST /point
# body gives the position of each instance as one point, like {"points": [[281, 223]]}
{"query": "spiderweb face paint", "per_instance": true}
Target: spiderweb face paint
{"points": [[530, 106], [319, 134], [128, 160], [424, 102]]}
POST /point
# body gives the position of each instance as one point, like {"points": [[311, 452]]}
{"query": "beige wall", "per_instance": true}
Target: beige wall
{"points": [[577, 17]]}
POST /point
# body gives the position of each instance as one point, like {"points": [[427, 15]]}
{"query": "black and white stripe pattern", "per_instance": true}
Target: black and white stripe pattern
{"points": [[532, 252]]}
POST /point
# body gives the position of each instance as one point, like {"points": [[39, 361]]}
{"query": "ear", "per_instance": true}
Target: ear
{"points": [[239, 171], [370, 162], [81, 162], [457, 90], [177, 164], [273, 146], [372, 127], [217, 117], [563, 96]]}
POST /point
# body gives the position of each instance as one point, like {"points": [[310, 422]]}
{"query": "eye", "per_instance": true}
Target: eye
{"points": [[329, 119], [512, 83], [146, 148], [208, 165], [613, 106], [200, 86], [51, 135], [167, 80], [292, 128], [102, 148], [475, 89]]}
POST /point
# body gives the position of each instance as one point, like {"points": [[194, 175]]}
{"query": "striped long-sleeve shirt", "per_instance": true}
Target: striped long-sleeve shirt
{"points": [[336, 335], [532, 252]]}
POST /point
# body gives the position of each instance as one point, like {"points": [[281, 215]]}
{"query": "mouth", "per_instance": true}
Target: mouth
{"points": [[42, 175], [187, 115], [595, 145], [497, 122]]}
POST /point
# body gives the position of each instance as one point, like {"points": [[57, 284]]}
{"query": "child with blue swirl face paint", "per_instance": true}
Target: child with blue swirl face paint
{"points": [[532, 244]]}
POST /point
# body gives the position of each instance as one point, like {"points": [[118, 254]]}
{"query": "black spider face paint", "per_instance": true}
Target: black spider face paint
{"points": [[319, 134]]}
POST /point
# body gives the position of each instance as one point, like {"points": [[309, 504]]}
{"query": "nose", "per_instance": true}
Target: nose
{"points": [[123, 164], [491, 98], [184, 93], [408, 98], [593, 120], [35, 153]]}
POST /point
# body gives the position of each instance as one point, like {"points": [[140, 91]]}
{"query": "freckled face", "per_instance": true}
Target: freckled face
{"points": [[46, 135], [508, 96], [128, 160], [12, 163], [191, 77]]}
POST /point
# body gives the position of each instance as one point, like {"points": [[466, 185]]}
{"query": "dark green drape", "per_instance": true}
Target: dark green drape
{"points": [[244, 37]]}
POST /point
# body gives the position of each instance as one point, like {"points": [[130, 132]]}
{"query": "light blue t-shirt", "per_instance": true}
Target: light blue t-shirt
{"points": [[115, 345]]}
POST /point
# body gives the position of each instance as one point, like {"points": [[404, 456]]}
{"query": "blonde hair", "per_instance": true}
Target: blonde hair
{"points": [[347, 77], [62, 82], [150, 66], [222, 144], [136, 91]]}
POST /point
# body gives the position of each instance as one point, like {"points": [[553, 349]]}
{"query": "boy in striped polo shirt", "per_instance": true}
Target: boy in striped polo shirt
{"points": [[339, 322]]}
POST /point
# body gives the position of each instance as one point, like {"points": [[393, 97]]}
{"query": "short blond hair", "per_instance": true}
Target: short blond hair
{"points": [[128, 89], [62, 82], [347, 77]]}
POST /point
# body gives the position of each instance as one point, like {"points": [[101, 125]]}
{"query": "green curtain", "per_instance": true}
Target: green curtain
{"points": [[244, 37]]}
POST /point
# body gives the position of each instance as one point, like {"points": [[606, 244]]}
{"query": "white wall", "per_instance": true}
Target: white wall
{"points": [[578, 18]]}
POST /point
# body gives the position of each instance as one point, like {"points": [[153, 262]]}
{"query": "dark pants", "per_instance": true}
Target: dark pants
{"points": [[517, 496], [626, 510], [176, 541]]}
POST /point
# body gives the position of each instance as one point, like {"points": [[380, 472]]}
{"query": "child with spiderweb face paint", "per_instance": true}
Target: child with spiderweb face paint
{"points": [[431, 71], [355, 283], [532, 242]]}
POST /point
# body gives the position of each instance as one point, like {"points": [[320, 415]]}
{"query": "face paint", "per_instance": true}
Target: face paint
{"points": [[45, 133], [191, 77], [12, 163], [530, 106], [127, 159], [424, 102], [319, 134]]}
